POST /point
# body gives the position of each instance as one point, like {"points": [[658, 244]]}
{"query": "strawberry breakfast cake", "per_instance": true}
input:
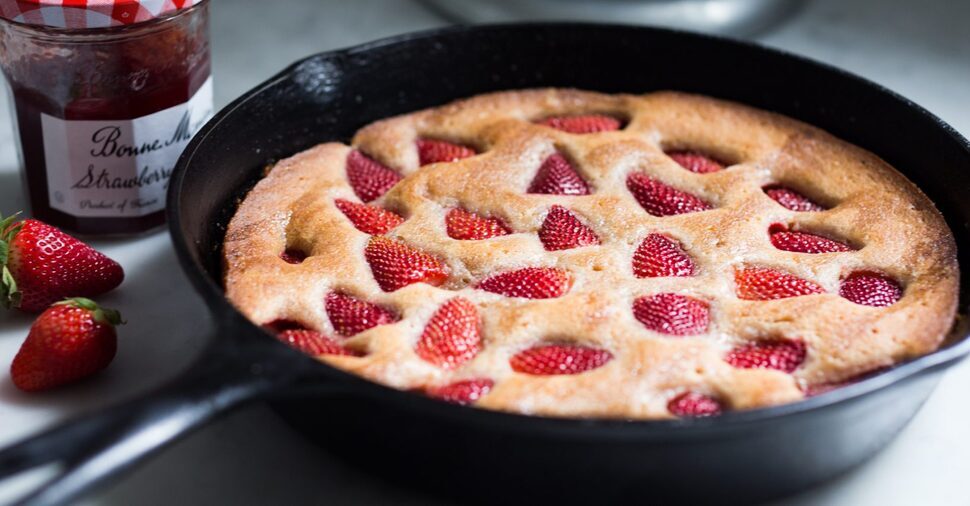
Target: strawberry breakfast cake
{"points": [[558, 252]]}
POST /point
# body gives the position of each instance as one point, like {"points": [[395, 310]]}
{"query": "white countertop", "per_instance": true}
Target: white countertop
{"points": [[250, 457]]}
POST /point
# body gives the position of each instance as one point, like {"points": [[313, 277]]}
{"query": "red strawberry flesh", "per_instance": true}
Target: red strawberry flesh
{"points": [[452, 335], [279, 325], [556, 176], [555, 359], [670, 313], [658, 256], [369, 219], [396, 265], [436, 151], [368, 177], [583, 124], [659, 199], [791, 199], [562, 230], [803, 242], [694, 405], [462, 392], [762, 283], [784, 355], [44, 265], [870, 289], [695, 162], [293, 256], [314, 343], [530, 283], [350, 315], [468, 226]]}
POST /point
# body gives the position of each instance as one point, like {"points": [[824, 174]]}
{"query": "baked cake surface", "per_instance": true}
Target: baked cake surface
{"points": [[570, 253]]}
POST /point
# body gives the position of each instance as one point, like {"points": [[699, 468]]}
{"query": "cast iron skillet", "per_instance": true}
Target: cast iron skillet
{"points": [[482, 456]]}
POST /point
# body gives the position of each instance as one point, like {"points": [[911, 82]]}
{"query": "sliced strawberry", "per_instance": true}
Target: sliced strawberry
{"points": [[435, 151], [762, 283], [350, 315], [468, 226], [693, 405], [803, 242], [372, 220], [40, 265], [658, 256], [279, 325], [791, 199], [396, 265], [368, 177], [562, 230], [452, 335], [781, 354], [584, 124], [661, 200], [670, 313], [553, 359], [556, 176], [293, 256], [314, 343], [530, 283], [462, 392], [695, 162], [870, 289]]}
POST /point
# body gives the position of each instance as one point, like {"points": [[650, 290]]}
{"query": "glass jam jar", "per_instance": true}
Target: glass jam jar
{"points": [[105, 97]]}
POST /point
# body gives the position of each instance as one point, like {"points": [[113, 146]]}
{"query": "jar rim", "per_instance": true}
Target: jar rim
{"points": [[85, 16]]}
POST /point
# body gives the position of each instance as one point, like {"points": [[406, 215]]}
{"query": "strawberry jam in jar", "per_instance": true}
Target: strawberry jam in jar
{"points": [[106, 95]]}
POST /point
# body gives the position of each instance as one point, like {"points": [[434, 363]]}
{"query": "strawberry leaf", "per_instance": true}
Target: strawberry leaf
{"points": [[9, 295]]}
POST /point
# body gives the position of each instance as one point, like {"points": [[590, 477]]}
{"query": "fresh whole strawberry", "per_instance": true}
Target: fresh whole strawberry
{"points": [[661, 200], [69, 341], [791, 199], [671, 313], [556, 176], [695, 162], [658, 256], [870, 289], [555, 359], [368, 177], [396, 265], [529, 283], [314, 343], [763, 283], [584, 124], [42, 265], [803, 242], [562, 230], [462, 392], [694, 405], [452, 335], [369, 219], [784, 355], [350, 315], [435, 151], [468, 226]]}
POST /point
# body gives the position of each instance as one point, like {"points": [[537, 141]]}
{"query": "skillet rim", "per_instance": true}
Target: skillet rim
{"points": [[955, 347]]}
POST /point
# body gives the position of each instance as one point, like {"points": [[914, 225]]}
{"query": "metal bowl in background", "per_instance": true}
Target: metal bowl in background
{"points": [[722, 17]]}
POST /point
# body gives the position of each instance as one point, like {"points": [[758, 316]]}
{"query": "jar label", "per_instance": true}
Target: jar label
{"points": [[119, 168]]}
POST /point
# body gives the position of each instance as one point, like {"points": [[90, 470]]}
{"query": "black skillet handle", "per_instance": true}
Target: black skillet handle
{"points": [[92, 448]]}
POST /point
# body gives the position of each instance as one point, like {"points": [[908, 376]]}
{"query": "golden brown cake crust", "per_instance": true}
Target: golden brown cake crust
{"points": [[897, 229]]}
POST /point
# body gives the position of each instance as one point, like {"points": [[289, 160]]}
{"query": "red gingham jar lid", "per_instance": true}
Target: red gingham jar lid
{"points": [[88, 13]]}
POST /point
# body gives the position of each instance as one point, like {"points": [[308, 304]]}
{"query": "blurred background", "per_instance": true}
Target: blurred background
{"points": [[921, 50]]}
